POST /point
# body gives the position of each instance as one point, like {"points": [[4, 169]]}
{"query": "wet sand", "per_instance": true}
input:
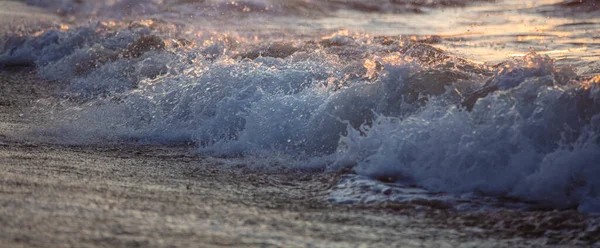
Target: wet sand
{"points": [[155, 196]]}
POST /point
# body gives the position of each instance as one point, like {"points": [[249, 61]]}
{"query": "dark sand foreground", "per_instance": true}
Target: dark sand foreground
{"points": [[151, 196]]}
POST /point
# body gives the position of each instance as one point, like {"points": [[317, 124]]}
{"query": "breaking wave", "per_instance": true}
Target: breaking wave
{"points": [[391, 108]]}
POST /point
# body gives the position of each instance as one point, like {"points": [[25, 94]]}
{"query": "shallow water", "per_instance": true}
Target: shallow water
{"points": [[467, 103]]}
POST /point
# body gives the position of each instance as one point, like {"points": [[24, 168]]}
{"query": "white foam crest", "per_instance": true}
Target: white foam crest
{"points": [[532, 135], [531, 142], [222, 102], [45, 48]]}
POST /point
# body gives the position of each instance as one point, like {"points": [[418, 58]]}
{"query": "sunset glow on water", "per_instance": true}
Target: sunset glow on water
{"points": [[465, 100]]}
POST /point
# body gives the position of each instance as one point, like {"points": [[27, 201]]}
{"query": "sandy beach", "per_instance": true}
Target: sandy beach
{"points": [[125, 195]]}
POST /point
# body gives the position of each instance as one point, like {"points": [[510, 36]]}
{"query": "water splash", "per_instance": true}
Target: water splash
{"points": [[393, 108]]}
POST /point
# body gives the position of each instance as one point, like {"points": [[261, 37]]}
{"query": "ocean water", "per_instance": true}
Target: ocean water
{"points": [[467, 104]]}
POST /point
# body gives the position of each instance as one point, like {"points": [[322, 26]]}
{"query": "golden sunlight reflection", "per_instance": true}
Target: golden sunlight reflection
{"points": [[485, 32], [297, 123]]}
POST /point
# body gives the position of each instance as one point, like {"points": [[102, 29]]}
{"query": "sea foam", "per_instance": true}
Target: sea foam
{"points": [[386, 108]]}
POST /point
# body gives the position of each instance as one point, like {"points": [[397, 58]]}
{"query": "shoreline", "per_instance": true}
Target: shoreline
{"points": [[124, 195], [156, 196]]}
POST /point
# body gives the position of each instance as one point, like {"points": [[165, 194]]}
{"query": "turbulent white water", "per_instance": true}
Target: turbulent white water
{"points": [[392, 108]]}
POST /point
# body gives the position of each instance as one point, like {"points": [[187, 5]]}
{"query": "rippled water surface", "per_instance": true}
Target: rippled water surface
{"points": [[468, 104]]}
